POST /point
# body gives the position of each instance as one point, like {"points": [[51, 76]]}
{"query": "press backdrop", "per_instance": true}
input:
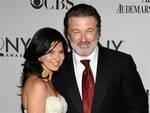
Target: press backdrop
{"points": [[125, 27]]}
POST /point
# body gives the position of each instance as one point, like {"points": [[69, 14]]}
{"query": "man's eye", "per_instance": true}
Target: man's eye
{"points": [[91, 30], [76, 31]]}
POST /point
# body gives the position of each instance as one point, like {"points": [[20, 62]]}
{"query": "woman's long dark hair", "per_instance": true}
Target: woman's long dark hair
{"points": [[39, 45]]}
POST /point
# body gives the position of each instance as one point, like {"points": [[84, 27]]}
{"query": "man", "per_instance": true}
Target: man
{"points": [[117, 85]]}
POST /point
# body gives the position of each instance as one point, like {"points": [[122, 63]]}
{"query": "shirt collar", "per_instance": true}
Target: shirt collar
{"points": [[92, 56]]}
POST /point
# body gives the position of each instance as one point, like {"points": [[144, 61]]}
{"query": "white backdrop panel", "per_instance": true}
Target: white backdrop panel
{"points": [[128, 32]]}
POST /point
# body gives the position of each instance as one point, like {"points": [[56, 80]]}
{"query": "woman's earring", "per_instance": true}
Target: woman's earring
{"points": [[39, 59]]}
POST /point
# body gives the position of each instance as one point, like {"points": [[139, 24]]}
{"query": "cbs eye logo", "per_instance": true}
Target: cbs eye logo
{"points": [[37, 3], [52, 4]]}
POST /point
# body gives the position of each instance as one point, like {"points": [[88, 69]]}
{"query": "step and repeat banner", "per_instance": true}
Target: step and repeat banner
{"points": [[125, 27]]}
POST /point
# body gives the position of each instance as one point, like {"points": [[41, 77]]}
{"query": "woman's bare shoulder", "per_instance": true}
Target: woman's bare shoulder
{"points": [[33, 90], [35, 85]]}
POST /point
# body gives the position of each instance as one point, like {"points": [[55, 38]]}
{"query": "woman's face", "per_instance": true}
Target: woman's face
{"points": [[52, 60]]}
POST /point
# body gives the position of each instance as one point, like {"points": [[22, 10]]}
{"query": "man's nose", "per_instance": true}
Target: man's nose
{"points": [[83, 37]]}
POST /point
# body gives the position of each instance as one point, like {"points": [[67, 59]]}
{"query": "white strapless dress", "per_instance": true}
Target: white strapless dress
{"points": [[55, 105]]}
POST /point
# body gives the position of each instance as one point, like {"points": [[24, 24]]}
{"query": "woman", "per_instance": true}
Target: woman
{"points": [[43, 56]]}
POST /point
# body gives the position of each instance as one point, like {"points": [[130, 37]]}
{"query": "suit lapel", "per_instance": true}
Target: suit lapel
{"points": [[72, 87], [102, 80]]}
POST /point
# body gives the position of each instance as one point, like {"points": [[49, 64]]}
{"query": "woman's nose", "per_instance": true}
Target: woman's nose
{"points": [[57, 56]]}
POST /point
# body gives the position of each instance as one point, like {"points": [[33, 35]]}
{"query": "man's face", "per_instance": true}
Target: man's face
{"points": [[83, 34]]}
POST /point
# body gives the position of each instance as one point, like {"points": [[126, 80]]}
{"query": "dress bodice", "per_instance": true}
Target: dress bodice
{"points": [[55, 105]]}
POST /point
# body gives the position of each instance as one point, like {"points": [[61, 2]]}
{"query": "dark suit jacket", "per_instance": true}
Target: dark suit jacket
{"points": [[118, 87]]}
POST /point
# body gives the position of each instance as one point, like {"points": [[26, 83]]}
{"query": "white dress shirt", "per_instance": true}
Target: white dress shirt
{"points": [[79, 67]]}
